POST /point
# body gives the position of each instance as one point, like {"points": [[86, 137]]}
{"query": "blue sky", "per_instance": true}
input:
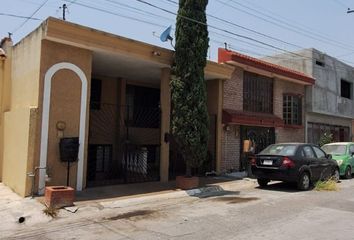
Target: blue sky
{"points": [[264, 27]]}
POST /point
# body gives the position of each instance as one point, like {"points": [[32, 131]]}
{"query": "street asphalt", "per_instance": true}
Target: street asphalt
{"points": [[238, 210]]}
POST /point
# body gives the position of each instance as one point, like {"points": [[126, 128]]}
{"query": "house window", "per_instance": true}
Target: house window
{"points": [[346, 89], [320, 63], [257, 93], [96, 89], [143, 107], [292, 111]]}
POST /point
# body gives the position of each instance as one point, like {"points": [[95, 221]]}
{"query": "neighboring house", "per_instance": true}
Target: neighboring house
{"points": [[330, 102], [263, 103], [66, 80]]}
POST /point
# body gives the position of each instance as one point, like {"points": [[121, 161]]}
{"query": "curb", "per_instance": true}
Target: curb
{"points": [[208, 191]]}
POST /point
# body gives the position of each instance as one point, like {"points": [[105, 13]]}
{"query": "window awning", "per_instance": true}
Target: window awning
{"points": [[251, 119]]}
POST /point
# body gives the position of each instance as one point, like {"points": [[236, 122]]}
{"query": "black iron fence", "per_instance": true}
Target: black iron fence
{"points": [[124, 144]]}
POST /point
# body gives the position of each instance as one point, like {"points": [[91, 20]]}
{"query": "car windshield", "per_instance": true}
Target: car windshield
{"points": [[335, 149], [280, 149]]}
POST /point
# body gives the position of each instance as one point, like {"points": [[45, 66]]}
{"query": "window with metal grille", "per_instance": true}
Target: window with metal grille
{"points": [[292, 110], [143, 107], [257, 93]]}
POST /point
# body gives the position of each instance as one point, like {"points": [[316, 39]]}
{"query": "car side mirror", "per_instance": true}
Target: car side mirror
{"points": [[329, 156]]}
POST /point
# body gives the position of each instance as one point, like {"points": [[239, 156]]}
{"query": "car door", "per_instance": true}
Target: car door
{"points": [[312, 161], [324, 164], [351, 157]]}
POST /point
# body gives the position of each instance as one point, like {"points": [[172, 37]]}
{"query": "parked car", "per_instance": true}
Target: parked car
{"points": [[300, 163], [343, 153]]}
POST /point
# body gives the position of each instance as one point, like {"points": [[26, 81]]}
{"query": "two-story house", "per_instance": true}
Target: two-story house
{"points": [[330, 102], [263, 103]]}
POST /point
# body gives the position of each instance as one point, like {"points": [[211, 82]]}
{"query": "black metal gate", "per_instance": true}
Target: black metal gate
{"points": [[124, 145], [261, 136]]}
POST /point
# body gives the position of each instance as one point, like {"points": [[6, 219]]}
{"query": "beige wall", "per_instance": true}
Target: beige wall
{"points": [[65, 105], [215, 103], [2, 71], [22, 87]]}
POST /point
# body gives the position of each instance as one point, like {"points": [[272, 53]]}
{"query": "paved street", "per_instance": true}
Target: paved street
{"points": [[278, 212]]}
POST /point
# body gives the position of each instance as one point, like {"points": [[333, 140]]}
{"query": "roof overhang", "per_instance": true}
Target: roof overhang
{"points": [[262, 67], [102, 42]]}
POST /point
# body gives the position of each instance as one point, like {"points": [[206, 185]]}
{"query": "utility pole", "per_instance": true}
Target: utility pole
{"points": [[64, 7]]}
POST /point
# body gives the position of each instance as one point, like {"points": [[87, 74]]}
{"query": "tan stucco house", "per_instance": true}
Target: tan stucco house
{"points": [[67, 80]]}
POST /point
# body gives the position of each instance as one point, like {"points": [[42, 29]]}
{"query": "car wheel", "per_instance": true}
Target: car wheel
{"points": [[304, 181], [335, 175], [348, 173], [262, 182]]}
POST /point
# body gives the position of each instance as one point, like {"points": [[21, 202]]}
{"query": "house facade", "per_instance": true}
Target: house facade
{"points": [[263, 103], [112, 93], [330, 102]]}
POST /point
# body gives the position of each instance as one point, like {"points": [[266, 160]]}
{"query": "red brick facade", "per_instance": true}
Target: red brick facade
{"points": [[233, 100]]}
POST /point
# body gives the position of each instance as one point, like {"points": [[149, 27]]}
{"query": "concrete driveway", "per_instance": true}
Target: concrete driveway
{"points": [[236, 211]]}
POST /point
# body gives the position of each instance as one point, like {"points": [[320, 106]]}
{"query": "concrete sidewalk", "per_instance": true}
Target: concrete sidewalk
{"points": [[216, 186], [13, 207], [138, 189]]}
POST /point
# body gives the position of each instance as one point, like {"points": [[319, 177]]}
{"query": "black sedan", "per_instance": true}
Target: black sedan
{"points": [[300, 163]]}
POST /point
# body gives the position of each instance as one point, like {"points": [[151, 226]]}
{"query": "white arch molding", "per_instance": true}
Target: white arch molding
{"points": [[45, 122]]}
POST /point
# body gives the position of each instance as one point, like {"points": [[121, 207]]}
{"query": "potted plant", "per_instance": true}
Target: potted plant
{"points": [[190, 118]]}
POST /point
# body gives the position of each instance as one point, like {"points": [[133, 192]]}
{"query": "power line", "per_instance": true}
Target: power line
{"points": [[211, 26], [340, 3], [248, 29], [291, 22], [227, 31], [20, 26], [116, 14], [137, 9], [229, 37], [220, 29], [291, 29], [277, 19], [18, 16]]}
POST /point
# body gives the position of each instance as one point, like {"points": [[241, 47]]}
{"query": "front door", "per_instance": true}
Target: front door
{"points": [[262, 137]]}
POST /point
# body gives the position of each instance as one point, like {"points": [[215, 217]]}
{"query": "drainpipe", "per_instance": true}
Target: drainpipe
{"points": [[2, 80]]}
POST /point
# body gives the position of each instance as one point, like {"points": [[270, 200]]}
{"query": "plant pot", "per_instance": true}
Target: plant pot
{"points": [[59, 196], [186, 183]]}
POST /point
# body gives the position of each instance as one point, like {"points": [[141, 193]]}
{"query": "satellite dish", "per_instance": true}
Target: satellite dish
{"points": [[165, 36]]}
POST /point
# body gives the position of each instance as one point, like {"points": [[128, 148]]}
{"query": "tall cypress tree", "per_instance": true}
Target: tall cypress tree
{"points": [[190, 119]]}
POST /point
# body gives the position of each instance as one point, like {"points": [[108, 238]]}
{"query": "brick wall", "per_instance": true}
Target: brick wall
{"points": [[233, 99], [230, 149], [233, 91], [287, 134]]}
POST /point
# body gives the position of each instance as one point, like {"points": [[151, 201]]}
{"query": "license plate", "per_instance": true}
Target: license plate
{"points": [[268, 162]]}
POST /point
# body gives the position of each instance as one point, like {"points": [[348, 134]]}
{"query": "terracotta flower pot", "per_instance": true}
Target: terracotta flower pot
{"points": [[186, 183], [59, 196]]}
